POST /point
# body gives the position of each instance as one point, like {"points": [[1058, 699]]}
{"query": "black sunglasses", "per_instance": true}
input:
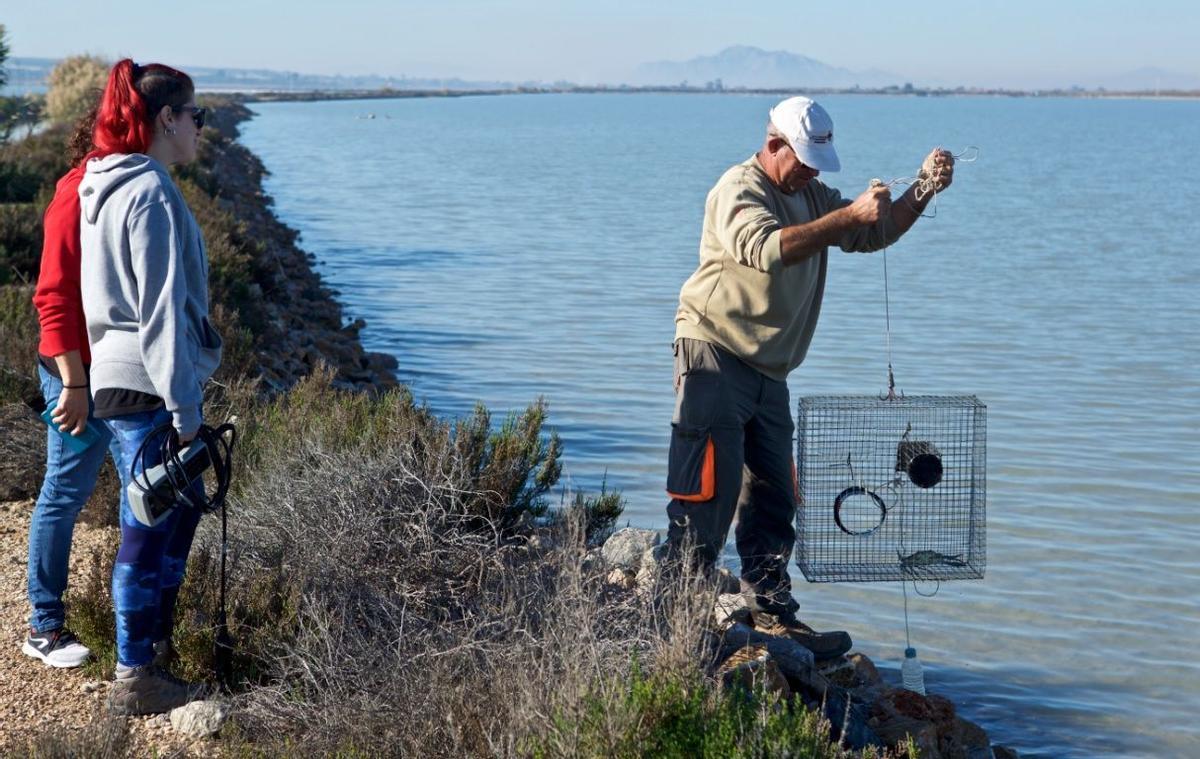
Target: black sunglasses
{"points": [[198, 114]]}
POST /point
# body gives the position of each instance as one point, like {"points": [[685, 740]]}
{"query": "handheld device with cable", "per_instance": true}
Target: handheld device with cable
{"points": [[179, 479], [178, 482]]}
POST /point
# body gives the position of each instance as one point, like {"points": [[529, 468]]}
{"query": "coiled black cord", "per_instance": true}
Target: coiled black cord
{"points": [[218, 447]]}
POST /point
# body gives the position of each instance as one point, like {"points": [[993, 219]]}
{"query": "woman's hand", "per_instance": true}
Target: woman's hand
{"points": [[71, 414]]}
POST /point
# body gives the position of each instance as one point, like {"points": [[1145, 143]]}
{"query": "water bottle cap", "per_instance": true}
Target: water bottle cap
{"points": [[910, 653]]}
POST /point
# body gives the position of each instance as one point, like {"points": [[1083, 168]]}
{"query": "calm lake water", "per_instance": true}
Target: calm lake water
{"points": [[504, 248]]}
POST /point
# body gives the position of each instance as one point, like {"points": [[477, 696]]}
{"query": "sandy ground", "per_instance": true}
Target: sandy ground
{"points": [[34, 698]]}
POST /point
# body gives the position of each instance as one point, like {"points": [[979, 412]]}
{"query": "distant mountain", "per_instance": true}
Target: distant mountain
{"points": [[745, 66]]}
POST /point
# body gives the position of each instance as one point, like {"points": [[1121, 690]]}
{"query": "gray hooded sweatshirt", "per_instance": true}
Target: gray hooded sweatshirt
{"points": [[144, 279]]}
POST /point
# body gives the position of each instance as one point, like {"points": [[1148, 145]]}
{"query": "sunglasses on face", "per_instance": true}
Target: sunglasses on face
{"points": [[198, 114]]}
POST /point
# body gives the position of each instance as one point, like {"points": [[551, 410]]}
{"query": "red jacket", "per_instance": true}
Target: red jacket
{"points": [[57, 299]]}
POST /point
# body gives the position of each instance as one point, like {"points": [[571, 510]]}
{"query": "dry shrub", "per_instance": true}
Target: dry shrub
{"points": [[392, 589], [385, 604], [90, 608], [106, 738], [75, 84]]}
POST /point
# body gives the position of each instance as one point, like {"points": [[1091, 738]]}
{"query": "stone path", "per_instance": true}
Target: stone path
{"points": [[35, 698]]}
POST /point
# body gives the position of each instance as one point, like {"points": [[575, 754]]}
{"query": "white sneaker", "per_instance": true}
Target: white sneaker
{"points": [[58, 648]]}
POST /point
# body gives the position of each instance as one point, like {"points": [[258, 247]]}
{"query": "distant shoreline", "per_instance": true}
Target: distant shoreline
{"points": [[268, 96]]}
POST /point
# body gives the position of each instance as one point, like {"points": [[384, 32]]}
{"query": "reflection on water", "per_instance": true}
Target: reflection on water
{"points": [[505, 248]]}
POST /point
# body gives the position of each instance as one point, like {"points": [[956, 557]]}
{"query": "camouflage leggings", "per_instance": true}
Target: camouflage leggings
{"points": [[151, 560]]}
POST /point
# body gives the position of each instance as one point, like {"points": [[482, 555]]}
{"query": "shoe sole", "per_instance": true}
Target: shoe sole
{"points": [[32, 652], [122, 708]]}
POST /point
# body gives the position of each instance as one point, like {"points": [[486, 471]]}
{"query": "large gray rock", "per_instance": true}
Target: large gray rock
{"points": [[650, 568], [625, 547], [200, 719], [727, 582], [621, 578], [752, 667], [793, 659], [731, 608]]}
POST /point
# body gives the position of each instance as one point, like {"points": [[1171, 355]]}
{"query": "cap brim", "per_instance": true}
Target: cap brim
{"points": [[819, 157]]}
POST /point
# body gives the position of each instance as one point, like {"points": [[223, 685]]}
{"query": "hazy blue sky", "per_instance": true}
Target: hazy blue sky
{"points": [[1017, 43]]}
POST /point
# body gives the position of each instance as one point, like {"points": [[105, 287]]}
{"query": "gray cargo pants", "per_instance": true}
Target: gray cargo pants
{"points": [[731, 454]]}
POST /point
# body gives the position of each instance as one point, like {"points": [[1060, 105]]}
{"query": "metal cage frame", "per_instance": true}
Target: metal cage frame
{"points": [[891, 489]]}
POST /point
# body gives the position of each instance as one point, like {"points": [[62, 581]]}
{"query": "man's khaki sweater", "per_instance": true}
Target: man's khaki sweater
{"points": [[742, 297]]}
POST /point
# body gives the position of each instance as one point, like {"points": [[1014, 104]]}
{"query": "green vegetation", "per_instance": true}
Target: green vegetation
{"points": [[3, 55], [677, 715]]}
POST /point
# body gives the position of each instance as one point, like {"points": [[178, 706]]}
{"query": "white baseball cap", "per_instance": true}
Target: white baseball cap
{"points": [[808, 129]]}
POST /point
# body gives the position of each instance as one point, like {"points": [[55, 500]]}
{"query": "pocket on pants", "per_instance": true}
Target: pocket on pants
{"points": [[692, 464]]}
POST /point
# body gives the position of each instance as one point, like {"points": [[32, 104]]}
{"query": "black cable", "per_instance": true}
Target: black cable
{"points": [[223, 643], [858, 490], [218, 448]]}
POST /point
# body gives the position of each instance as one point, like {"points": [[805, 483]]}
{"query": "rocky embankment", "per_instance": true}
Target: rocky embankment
{"points": [[863, 709], [306, 324]]}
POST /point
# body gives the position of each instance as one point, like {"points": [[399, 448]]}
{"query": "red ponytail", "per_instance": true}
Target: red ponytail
{"points": [[132, 99]]}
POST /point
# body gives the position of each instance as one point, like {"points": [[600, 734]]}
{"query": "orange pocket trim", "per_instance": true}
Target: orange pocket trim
{"points": [[795, 483], [708, 477]]}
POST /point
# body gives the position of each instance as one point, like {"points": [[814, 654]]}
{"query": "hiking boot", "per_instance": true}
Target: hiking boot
{"points": [[58, 648], [824, 645], [149, 690]]}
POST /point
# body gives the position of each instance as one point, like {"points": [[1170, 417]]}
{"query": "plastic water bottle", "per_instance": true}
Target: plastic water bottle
{"points": [[78, 443], [910, 672]]}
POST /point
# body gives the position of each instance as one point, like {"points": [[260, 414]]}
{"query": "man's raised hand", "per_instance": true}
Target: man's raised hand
{"points": [[871, 206], [938, 167]]}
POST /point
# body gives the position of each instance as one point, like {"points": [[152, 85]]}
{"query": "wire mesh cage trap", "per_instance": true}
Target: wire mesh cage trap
{"points": [[891, 488]]}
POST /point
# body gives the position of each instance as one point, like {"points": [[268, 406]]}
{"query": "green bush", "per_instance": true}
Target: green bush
{"points": [[20, 112], [18, 343], [20, 242], [90, 608], [19, 182], [31, 166], [676, 714]]}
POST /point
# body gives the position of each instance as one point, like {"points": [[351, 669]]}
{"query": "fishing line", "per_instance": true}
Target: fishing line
{"points": [[926, 187]]}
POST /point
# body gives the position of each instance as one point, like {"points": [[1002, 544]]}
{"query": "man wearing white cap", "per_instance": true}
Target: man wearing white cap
{"points": [[745, 320]]}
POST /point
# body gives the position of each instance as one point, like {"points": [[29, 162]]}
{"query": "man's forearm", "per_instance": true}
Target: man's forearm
{"points": [[907, 209], [801, 242]]}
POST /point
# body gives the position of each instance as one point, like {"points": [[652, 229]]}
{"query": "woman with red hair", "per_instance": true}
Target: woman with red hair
{"points": [[144, 279], [71, 467]]}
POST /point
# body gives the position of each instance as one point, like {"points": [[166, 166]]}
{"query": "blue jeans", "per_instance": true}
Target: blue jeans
{"points": [[70, 479], [151, 560]]}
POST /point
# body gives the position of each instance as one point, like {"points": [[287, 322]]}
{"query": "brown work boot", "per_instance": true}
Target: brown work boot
{"points": [[824, 645], [149, 690]]}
